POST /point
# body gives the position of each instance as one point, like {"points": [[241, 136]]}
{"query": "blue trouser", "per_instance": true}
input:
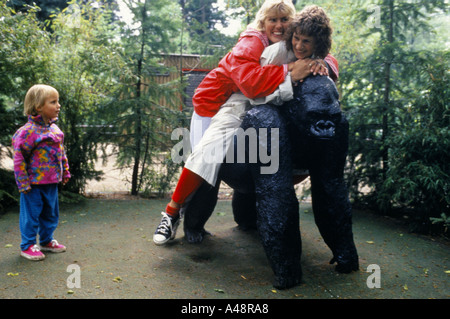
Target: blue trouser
{"points": [[39, 214]]}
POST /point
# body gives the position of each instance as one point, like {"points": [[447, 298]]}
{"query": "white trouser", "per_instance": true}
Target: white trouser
{"points": [[209, 153], [199, 124]]}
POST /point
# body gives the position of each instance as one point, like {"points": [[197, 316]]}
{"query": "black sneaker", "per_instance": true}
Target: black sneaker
{"points": [[166, 230]]}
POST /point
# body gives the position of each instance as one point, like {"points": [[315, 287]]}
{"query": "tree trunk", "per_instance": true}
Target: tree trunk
{"points": [[138, 111], [387, 90], [137, 134], [387, 99]]}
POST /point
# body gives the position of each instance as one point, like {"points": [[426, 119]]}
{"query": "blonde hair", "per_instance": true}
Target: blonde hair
{"points": [[36, 97], [270, 6]]}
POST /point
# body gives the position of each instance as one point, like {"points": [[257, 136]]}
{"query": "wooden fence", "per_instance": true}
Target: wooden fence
{"points": [[190, 68]]}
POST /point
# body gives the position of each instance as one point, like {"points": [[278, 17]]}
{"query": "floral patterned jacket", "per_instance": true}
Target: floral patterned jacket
{"points": [[39, 155]]}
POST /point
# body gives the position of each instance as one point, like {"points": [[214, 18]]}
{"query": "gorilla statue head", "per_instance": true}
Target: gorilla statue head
{"points": [[315, 110]]}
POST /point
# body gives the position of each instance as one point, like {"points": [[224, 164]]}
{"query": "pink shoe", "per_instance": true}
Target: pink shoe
{"points": [[32, 253], [54, 247]]}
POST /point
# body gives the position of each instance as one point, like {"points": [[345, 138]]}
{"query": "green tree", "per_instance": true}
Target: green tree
{"points": [[418, 177], [22, 52], [145, 123], [22, 64], [49, 8], [84, 47], [245, 8], [201, 12], [46, 7], [199, 20], [382, 86]]}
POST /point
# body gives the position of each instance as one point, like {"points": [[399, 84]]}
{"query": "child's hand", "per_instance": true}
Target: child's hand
{"points": [[65, 180]]}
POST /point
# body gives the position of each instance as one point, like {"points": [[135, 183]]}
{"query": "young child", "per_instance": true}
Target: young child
{"points": [[40, 163], [238, 71]]}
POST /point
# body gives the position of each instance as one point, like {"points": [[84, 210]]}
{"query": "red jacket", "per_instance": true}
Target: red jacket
{"points": [[240, 71]]}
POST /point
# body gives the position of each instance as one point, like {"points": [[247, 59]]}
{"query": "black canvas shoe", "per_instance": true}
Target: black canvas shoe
{"points": [[166, 230]]}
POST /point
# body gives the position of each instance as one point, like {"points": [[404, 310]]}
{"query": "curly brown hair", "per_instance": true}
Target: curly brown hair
{"points": [[312, 21]]}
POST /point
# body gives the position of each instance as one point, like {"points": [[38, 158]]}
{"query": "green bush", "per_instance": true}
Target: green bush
{"points": [[418, 175], [419, 154]]}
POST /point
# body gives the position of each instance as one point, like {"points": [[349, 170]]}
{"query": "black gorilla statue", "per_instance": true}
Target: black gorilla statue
{"points": [[312, 135]]}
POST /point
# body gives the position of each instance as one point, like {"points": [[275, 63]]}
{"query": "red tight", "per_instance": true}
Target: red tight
{"points": [[188, 183]]}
